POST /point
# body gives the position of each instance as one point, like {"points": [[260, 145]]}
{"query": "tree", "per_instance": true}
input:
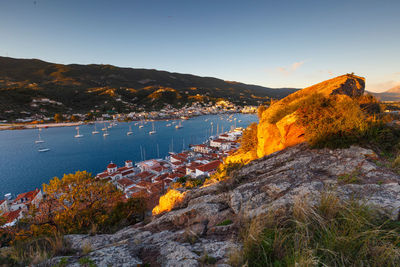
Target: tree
{"points": [[58, 117], [90, 116], [74, 118], [77, 202]]}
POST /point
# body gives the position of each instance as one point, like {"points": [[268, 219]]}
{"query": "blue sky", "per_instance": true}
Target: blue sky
{"points": [[270, 43]]}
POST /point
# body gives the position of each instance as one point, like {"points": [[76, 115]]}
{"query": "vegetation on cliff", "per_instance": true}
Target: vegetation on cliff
{"points": [[330, 233], [77, 203]]}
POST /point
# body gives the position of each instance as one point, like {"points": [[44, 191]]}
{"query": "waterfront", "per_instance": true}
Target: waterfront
{"points": [[23, 168]]}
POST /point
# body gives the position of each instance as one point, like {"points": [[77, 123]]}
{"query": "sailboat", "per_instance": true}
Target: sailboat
{"points": [[106, 133], [168, 125], [141, 124], [43, 149], [153, 132], [77, 133], [95, 130], [39, 139], [130, 131], [179, 126], [105, 128]]}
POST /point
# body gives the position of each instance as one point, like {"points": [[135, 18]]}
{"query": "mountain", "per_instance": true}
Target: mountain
{"points": [[80, 88], [393, 94]]}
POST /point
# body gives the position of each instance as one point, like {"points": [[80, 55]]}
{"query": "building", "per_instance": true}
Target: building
{"points": [[114, 173], [25, 200], [202, 148], [207, 169]]}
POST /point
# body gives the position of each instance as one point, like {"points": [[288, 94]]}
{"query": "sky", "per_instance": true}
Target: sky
{"points": [[270, 43]]}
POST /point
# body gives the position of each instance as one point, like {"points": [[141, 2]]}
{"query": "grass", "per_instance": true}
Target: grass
{"points": [[331, 233], [87, 262], [207, 259], [224, 223], [350, 178]]}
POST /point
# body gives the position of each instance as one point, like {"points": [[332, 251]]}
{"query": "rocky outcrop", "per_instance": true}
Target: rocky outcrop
{"points": [[278, 128], [204, 227]]}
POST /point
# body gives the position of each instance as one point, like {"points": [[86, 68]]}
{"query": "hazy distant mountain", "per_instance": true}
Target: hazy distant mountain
{"points": [[80, 88], [393, 94]]}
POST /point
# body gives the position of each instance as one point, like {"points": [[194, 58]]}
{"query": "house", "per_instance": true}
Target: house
{"points": [[148, 165], [4, 206], [207, 169], [12, 217], [221, 143], [124, 183], [114, 173], [25, 200], [202, 148]]}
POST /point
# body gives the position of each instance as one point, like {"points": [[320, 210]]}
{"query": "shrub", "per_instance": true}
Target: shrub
{"points": [[339, 121], [332, 233], [249, 140]]}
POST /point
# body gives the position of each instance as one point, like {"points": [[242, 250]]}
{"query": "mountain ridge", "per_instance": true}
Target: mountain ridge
{"points": [[80, 88]]}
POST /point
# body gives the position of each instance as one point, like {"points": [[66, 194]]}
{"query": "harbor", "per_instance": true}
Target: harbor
{"points": [[93, 152]]}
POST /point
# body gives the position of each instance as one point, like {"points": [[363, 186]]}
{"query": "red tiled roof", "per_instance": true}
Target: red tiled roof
{"points": [[1, 201], [29, 195], [209, 166], [12, 215], [127, 172], [125, 182], [111, 165], [144, 175]]}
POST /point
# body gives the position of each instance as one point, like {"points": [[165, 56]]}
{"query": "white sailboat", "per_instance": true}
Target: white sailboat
{"points": [[43, 149], [105, 128], [141, 124], [168, 125], [106, 133], [95, 130], [39, 141], [153, 131], [130, 131], [78, 135]]}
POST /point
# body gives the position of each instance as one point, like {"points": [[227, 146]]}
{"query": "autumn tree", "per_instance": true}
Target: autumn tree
{"points": [[74, 118], [77, 202], [58, 117]]}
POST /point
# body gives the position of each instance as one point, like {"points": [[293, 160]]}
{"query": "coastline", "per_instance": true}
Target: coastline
{"points": [[29, 126]]}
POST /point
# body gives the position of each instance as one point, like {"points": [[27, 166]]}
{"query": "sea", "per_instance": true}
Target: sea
{"points": [[24, 168]]}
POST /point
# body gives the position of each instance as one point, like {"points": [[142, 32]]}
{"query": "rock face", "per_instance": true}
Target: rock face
{"points": [[192, 233], [276, 131]]}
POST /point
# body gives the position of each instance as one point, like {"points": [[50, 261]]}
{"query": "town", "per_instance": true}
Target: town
{"points": [[42, 115], [149, 178]]}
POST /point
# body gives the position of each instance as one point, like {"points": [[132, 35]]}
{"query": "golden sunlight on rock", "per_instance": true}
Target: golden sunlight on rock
{"points": [[168, 201]]}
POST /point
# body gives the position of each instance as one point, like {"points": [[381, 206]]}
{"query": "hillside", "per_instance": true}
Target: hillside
{"points": [[209, 225], [290, 205], [81, 88]]}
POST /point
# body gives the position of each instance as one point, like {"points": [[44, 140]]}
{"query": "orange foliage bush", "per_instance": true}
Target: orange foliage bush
{"points": [[168, 201]]}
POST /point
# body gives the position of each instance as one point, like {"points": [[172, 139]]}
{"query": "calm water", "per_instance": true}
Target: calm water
{"points": [[23, 168]]}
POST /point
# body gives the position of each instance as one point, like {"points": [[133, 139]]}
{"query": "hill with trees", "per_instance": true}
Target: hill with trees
{"points": [[80, 88]]}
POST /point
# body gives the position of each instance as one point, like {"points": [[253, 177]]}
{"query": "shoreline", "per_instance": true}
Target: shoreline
{"points": [[27, 126]]}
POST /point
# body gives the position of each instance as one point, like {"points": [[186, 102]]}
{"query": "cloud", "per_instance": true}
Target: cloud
{"points": [[290, 69]]}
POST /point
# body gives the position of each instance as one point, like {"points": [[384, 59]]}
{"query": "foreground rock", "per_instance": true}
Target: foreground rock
{"points": [[192, 234]]}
